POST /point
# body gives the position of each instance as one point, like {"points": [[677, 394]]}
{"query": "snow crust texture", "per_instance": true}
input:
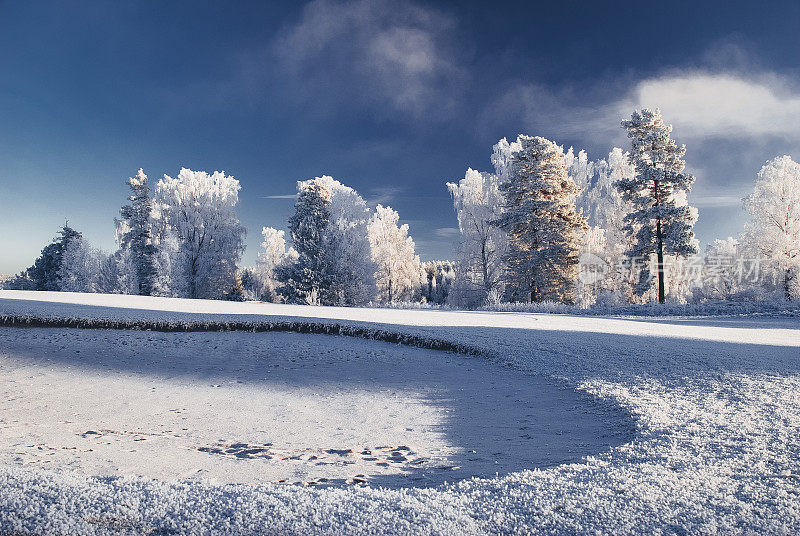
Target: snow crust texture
{"points": [[716, 449]]}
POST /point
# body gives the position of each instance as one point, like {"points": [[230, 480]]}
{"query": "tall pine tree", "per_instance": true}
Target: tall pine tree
{"points": [[544, 229], [309, 278], [136, 234], [661, 221]]}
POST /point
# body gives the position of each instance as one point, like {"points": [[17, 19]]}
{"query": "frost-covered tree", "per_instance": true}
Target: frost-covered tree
{"points": [[439, 277], [774, 226], [606, 241], [583, 172], [124, 270], [329, 232], [480, 251], [261, 280], [398, 269], [135, 236], [199, 211], [237, 291], [477, 202], [722, 278], [594, 267], [273, 250], [309, 278], [544, 229], [660, 221], [44, 274], [502, 158], [109, 277], [352, 268], [80, 267], [169, 266]]}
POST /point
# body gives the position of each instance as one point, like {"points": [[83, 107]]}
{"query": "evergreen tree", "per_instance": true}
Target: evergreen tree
{"points": [[660, 221], [136, 234], [108, 280], [21, 281], [44, 274], [543, 227], [237, 292], [439, 277], [330, 223], [309, 278], [348, 248]]}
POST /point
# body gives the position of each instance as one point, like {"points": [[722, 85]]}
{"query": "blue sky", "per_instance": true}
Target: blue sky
{"points": [[392, 98]]}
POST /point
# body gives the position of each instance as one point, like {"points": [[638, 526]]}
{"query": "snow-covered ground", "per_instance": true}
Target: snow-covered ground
{"points": [[716, 403], [281, 407]]}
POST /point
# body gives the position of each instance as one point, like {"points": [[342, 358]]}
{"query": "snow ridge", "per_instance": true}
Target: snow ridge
{"points": [[171, 326]]}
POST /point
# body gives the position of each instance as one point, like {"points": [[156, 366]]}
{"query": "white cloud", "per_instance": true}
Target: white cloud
{"points": [[376, 53], [446, 233], [702, 104]]}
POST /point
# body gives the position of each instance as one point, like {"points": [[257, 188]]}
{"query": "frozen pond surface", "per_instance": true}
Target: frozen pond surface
{"points": [[283, 407]]}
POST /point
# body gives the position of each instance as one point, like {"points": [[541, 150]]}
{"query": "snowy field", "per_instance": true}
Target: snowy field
{"points": [[596, 425], [281, 407]]}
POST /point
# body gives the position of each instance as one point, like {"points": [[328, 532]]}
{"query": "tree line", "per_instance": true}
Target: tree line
{"points": [[549, 225], [544, 225]]}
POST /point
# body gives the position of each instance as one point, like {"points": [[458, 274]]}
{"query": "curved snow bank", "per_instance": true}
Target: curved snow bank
{"points": [[717, 403], [213, 326]]}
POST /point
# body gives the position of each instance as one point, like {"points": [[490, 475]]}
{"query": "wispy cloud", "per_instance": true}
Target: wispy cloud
{"points": [[286, 196], [383, 195], [711, 201], [446, 233], [381, 54]]}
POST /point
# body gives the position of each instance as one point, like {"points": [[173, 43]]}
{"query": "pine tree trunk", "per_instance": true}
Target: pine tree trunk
{"points": [[787, 284], [660, 261], [659, 246], [390, 290]]}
